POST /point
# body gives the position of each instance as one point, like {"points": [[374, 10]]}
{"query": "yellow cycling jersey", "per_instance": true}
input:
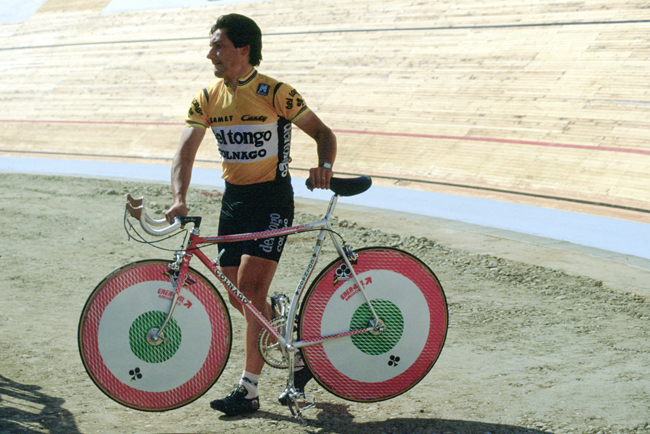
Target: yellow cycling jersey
{"points": [[252, 126]]}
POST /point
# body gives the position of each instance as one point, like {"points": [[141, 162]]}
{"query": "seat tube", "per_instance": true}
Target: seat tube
{"points": [[293, 307]]}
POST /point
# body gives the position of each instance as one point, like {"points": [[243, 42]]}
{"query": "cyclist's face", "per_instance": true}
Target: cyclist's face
{"points": [[228, 61]]}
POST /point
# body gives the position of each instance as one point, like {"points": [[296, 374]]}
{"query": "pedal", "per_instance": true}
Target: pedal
{"points": [[279, 304], [294, 407]]}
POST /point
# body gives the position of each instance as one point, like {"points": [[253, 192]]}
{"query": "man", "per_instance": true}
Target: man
{"points": [[251, 116]]}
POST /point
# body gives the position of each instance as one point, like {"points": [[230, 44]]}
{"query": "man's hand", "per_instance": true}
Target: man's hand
{"points": [[320, 177], [176, 210]]}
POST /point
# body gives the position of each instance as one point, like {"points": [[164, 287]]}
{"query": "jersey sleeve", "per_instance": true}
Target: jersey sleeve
{"points": [[197, 115], [288, 102]]}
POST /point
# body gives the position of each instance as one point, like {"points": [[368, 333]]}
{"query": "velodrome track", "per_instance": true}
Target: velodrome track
{"points": [[530, 118], [516, 130]]}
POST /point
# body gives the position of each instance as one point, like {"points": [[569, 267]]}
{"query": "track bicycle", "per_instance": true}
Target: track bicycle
{"points": [[155, 335]]}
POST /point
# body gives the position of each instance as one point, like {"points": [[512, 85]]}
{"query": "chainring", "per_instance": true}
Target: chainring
{"points": [[270, 349]]}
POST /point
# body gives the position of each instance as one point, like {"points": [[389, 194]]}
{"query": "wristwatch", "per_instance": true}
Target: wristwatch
{"points": [[326, 165]]}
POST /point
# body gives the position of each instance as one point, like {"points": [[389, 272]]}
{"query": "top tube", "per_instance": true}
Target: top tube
{"points": [[265, 234]]}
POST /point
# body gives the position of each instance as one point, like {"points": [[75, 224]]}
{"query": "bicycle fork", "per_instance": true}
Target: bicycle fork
{"points": [[156, 336]]}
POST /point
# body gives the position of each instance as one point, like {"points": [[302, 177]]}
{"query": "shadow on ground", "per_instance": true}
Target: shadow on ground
{"points": [[333, 418], [24, 409], [336, 419]]}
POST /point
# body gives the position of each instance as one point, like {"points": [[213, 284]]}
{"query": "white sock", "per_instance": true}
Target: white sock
{"points": [[249, 381]]}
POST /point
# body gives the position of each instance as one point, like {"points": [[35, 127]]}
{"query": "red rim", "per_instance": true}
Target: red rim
{"points": [[323, 289], [123, 393]]}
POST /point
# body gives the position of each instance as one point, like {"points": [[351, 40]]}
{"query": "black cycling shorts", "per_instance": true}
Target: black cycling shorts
{"points": [[255, 208]]}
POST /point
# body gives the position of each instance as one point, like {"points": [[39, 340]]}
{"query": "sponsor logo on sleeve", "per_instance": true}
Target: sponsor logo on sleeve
{"points": [[197, 108], [298, 101]]}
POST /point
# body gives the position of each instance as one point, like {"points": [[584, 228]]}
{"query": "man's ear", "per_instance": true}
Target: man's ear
{"points": [[245, 50]]}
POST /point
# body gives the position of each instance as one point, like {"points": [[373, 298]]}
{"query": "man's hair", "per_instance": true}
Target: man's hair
{"points": [[242, 31]]}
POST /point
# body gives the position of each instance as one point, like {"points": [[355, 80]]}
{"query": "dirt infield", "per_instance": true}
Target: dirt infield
{"points": [[529, 349]]}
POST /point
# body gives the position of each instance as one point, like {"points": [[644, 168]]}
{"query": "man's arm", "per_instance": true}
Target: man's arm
{"points": [[191, 139], [326, 147]]}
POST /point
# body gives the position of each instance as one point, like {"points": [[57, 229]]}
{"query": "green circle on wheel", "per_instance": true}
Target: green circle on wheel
{"points": [[154, 353], [384, 342]]}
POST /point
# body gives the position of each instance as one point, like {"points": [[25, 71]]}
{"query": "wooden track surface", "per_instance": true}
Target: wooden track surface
{"points": [[519, 101]]}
